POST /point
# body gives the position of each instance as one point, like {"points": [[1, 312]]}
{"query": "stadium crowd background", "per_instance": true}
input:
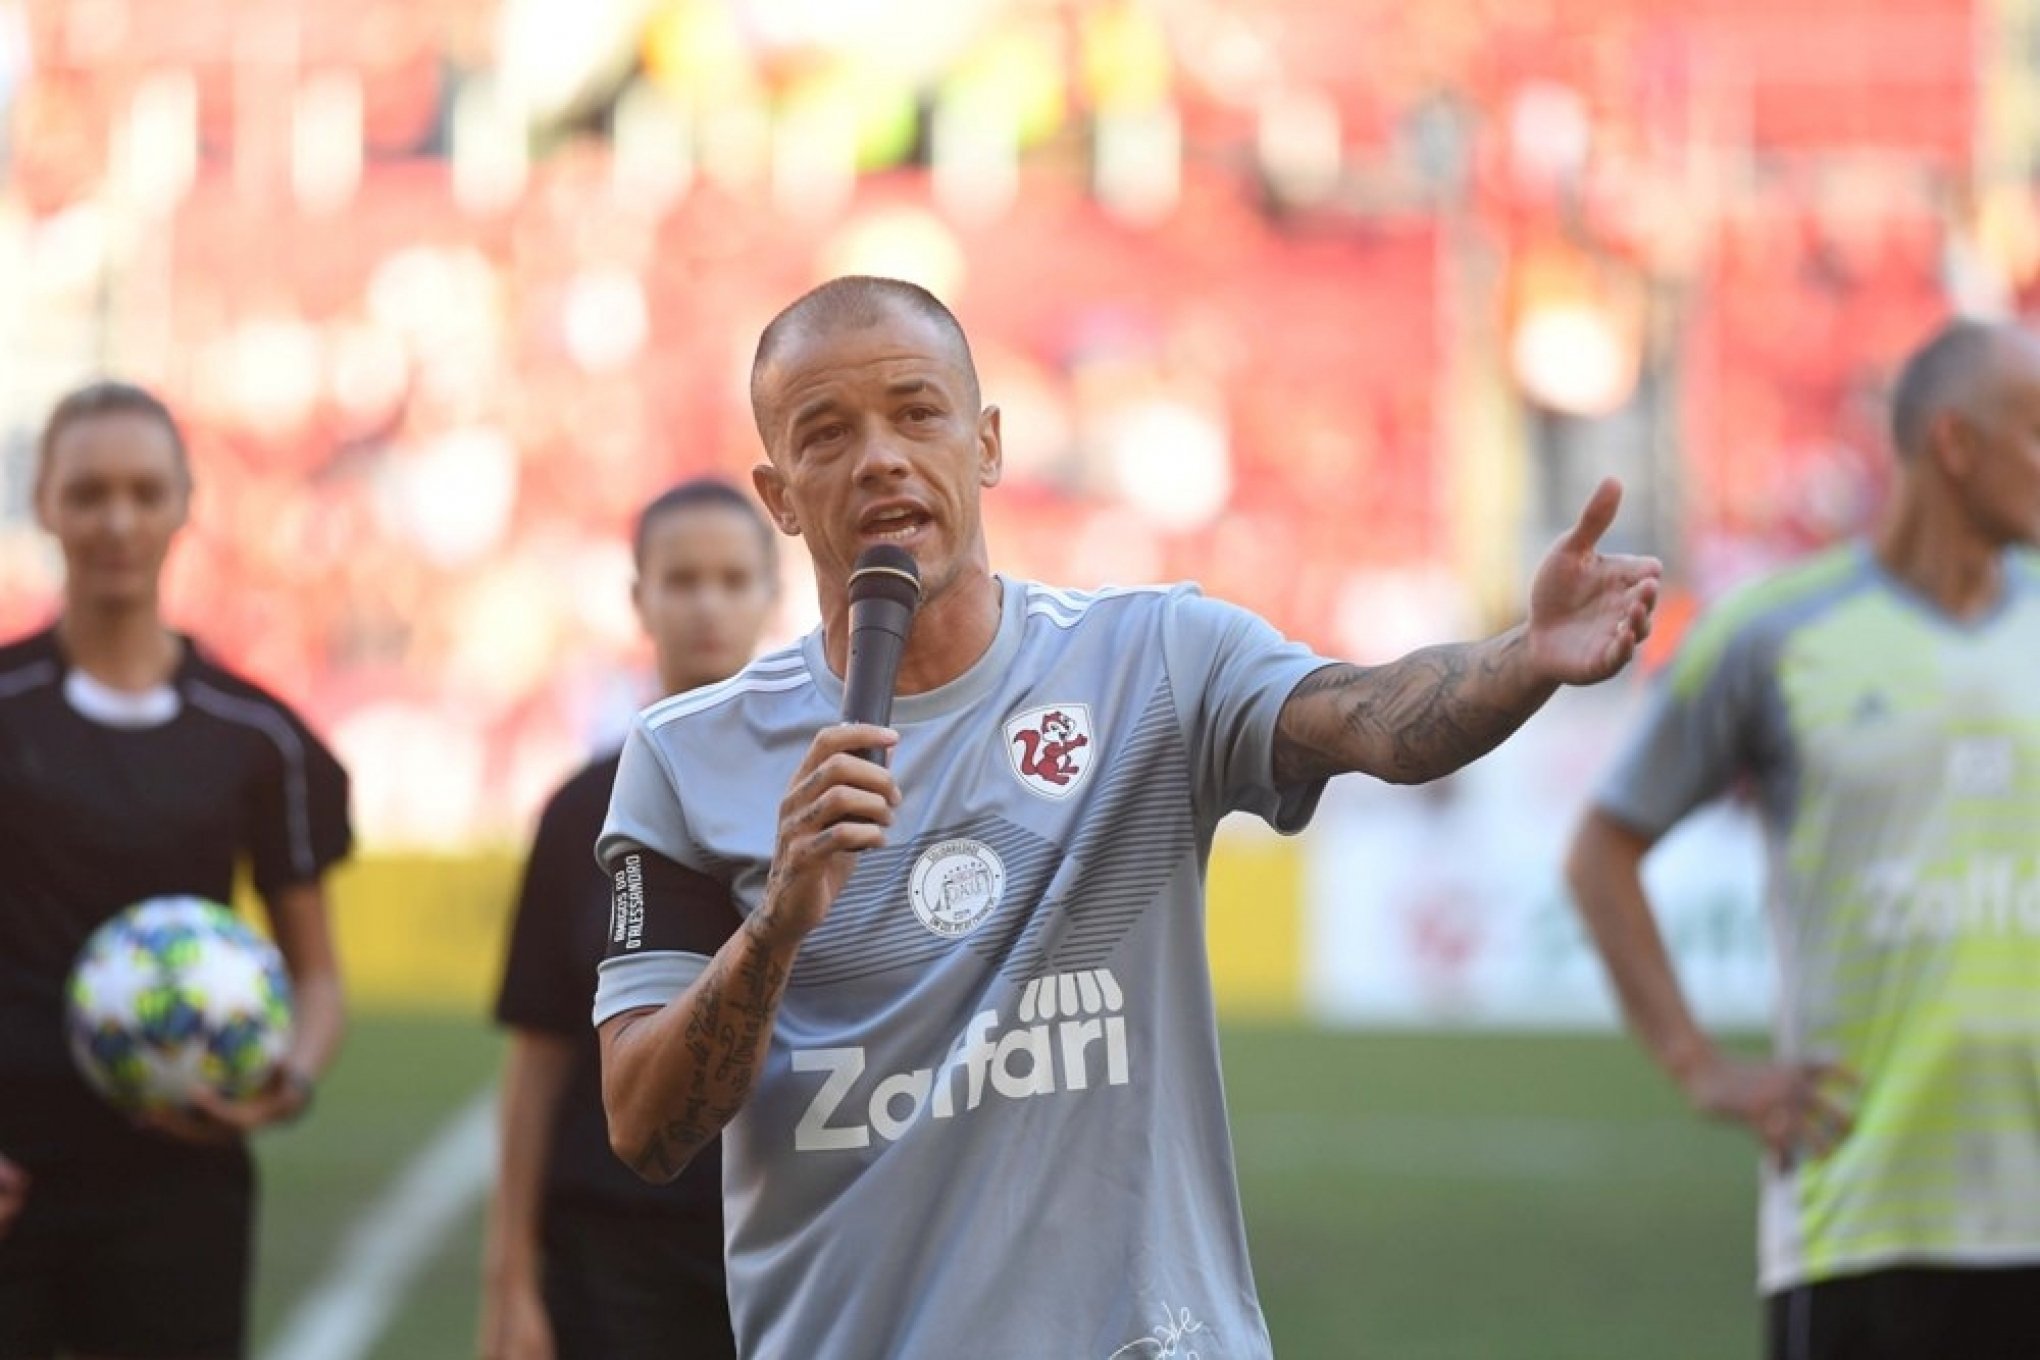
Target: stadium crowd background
{"points": [[1332, 305]]}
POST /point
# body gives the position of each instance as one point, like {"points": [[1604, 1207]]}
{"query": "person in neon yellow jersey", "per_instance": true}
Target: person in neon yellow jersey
{"points": [[1882, 701]]}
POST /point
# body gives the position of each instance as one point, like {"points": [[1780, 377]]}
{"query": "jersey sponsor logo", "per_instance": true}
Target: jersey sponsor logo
{"points": [[1990, 895], [1050, 748], [956, 886], [1070, 1036], [627, 905]]}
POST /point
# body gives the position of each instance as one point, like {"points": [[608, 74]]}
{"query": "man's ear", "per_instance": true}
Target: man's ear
{"points": [[1952, 442], [991, 448], [771, 487]]}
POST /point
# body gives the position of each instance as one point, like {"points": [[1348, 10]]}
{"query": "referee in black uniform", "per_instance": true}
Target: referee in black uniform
{"points": [[584, 1260], [133, 766]]}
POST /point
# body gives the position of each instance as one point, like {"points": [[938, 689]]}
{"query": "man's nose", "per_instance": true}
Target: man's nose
{"points": [[879, 457]]}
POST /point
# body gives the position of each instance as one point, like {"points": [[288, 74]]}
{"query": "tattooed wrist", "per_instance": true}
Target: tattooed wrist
{"points": [[726, 1031], [1411, 720]]}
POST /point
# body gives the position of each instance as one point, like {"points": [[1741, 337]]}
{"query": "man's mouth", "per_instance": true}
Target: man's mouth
{"points": [[893, 525]]}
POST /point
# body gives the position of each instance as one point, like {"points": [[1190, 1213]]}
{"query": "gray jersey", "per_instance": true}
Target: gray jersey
{"points": [[991, 1120]]}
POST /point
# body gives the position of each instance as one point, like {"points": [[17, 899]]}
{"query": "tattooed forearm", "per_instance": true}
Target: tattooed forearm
{"points": [[1411, 720], [727, 1024]]}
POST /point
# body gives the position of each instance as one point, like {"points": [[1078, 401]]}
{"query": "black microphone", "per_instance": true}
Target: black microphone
{"points": [[885, 590]]}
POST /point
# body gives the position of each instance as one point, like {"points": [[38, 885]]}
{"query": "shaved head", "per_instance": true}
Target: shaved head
{"points": [[852, 302], [1955, 371]]}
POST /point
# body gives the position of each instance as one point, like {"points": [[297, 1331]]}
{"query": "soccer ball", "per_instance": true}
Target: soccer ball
{"points": [[173, 995]]}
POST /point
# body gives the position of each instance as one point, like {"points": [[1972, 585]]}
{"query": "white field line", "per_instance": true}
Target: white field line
{"points": [[383, 1251]]}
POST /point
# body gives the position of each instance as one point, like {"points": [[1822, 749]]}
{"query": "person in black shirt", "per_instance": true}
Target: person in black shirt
{"points": [[134, 766], [584, 1260]]}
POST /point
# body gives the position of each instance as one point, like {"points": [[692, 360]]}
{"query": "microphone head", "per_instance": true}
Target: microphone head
{"points": [[885, 571]]}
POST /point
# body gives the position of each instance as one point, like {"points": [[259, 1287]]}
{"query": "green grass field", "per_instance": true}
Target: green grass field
{"points": [[1409, 1197]]}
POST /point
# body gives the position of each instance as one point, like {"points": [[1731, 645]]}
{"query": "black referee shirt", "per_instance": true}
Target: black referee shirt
{"points": [[558, 938], [94, 818]]}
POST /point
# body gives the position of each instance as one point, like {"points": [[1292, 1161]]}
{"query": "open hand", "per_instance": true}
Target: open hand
{"points": [[1590, 611]]}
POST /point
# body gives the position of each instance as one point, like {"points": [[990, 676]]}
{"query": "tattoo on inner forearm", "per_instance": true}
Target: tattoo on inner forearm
{"points": [[725, 1042], [1411, 720]]}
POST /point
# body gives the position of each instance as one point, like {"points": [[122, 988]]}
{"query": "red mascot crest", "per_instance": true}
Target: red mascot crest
{"points": [[1050, 748]]}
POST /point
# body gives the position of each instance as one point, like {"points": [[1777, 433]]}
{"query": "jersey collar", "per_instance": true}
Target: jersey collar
{"points": [[965, 689]]}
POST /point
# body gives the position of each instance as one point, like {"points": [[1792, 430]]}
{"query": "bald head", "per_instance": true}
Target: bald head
{"points": [[853, 302], [1960, 371]]}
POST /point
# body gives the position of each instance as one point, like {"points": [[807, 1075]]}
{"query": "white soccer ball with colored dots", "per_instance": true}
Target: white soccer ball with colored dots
{"points": [[175, 995]]}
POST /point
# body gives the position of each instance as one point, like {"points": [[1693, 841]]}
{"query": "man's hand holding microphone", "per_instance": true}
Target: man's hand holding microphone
{"points": [[842, 797]]}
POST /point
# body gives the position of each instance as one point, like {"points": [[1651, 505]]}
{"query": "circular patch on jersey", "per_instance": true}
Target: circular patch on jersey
{"points": [[956, 885]]}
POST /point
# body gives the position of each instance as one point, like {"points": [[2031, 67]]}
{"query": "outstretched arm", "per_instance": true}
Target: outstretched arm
{"points": [[1439, 708]]}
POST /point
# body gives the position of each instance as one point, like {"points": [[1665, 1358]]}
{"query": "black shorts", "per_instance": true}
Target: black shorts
{"points": [[140, 1268], [1910, 1313], [624, 1286]]}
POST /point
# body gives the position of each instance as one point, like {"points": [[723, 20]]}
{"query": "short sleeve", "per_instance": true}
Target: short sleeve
{"points": [[644, 806], [543, 966], [667, 916], [1232, 673], [298, 806], [1696, 734]]}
